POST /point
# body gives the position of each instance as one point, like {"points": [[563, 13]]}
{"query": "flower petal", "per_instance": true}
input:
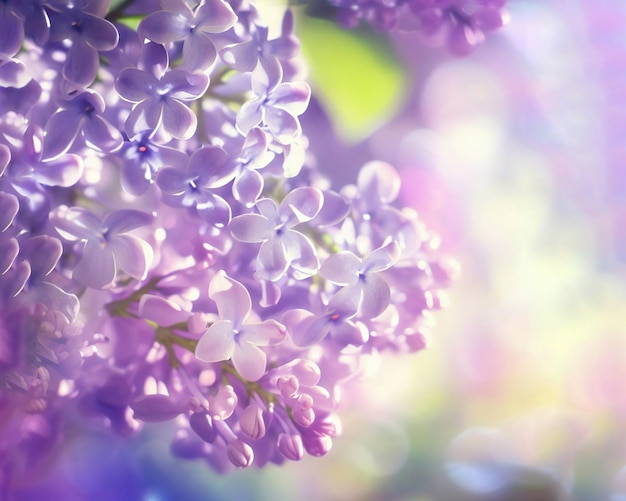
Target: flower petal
{"points": [[376, 296], [132, 255], [266, 333], [81, 65], [60, 132], [96, 269], [217, 343], [232, 299], [199, 53], [121, 221], [75, 223], [248, 187], [251, 228], [64, 171], [301, 205], [135, 85], [161, 310], [163, 27], [272, 262], [249, 361], [341, 268], [382, 258], [101, 134], [179, 120]]}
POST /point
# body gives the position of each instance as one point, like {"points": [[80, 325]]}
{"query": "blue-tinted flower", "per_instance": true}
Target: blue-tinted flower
{"points": [[142, 160], [282, 246], [108, 248], [178, 22], [159, 101], [89, 34], [193, 187], [81, 115]]}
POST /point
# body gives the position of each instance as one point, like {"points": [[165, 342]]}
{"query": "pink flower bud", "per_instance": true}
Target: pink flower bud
{"points": [[251, 422], [240, 454], [291, 446]]}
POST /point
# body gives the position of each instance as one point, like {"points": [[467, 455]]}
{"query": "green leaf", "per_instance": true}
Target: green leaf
{"points": [[355, 74], [131, 21]]}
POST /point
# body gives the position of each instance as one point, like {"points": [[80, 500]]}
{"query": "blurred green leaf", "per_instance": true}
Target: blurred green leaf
{"points": [[356, 75], [131, 21]]}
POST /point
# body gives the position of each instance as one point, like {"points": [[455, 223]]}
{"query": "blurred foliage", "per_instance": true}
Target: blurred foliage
{"points": [[357, 76]]}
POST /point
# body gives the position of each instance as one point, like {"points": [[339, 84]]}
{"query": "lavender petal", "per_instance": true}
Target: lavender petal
{"points": [[132, 255], [135, 85], [232, 299], [96, 269], [248, 187], [121, 221], [217, 343], [163, 27], [249, 361], [101, 134], [199, 53], [341, 268], [179, 120], [251, 228], [60, 132]]}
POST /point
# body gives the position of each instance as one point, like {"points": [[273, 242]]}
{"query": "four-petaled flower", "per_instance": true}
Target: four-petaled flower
{"points": [[360, 276], [232, 337], [281, 245], [108, 247]]}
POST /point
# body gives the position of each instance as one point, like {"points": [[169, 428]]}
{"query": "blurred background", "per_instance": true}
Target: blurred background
{"points": [[516, 156]]}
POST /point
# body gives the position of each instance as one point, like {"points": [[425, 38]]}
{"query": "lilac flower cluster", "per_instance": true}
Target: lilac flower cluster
{"points": [[166, 252], [459, 25]]}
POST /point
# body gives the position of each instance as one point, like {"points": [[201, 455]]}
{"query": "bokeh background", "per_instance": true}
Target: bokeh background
{"points": [[516, 156]]}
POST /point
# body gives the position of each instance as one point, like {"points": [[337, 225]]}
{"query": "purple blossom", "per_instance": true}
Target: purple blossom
{"points": [[80, 115], [231, 336], [276, 105], [108, 248], [89, 34], [193, 187], [194, 27], [282, 246], [246, 55], [142, 158], [160, 100], [360, 277]]}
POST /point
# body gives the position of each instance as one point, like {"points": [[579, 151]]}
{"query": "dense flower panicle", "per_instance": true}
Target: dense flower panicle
{"points": [[167, 249]]}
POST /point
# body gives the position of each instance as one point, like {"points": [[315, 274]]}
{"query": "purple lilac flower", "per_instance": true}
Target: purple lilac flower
{"points": [[282, 246], [193, 187], [159, 100], [194, 27], [360, 277], [246, 55], [231, 336], [142, 158], [108, 248], [80, 115], [276, 105], [462, 23], [88, 34], [250, 372]]}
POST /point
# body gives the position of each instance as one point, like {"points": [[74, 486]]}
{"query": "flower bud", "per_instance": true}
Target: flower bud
{"points": [[251, 422], [202, 425], [288, 386], [317, 445], [224, 403], [291, 446], [240, 454]]}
